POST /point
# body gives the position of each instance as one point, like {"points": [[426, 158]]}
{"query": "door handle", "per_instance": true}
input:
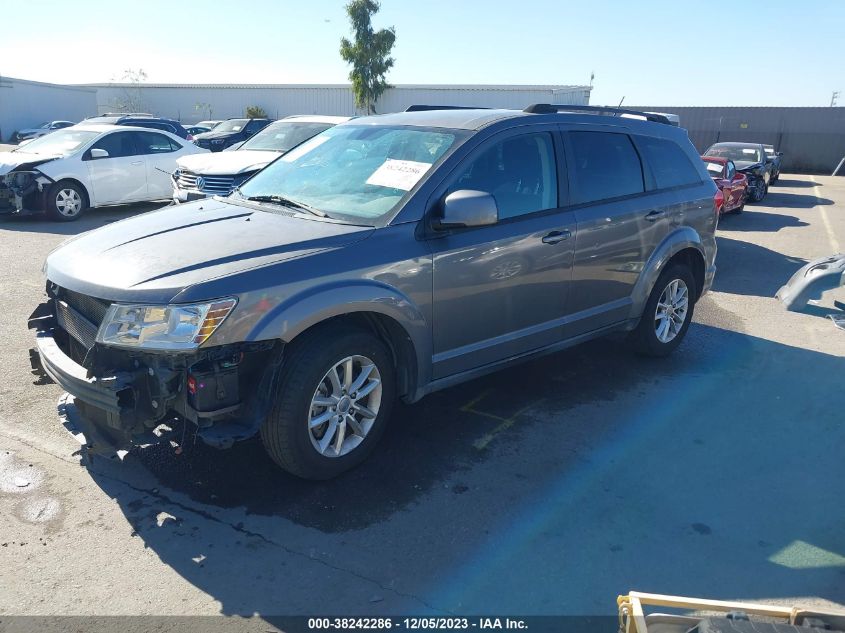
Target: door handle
{"points": [[556, 236], [136, 163], [655, 215]]}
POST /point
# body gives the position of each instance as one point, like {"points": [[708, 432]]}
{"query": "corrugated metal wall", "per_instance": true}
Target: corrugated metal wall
{"points": [[26, 104], [180, 102], [812, 139]]}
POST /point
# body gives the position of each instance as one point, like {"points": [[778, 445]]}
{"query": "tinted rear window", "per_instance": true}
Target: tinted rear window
{"points": [[669, 163], [606, 165]]}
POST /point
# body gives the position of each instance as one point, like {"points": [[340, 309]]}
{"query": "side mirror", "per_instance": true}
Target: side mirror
{"points": [[466, 208], [99, 153], [780, 153]]}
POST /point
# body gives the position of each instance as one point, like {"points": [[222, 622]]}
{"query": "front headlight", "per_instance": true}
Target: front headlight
{"points": [[173, 327]]}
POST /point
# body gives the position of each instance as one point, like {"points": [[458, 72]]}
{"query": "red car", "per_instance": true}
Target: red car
{"points": [[733, 184]]}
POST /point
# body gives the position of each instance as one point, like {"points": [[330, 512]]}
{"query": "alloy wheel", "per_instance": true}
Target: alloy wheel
{"points": [[671, 312], [344, 406]]}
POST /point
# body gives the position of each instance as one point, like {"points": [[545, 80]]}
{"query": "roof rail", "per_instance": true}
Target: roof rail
{"points": [[426, 108], [549, 108]]}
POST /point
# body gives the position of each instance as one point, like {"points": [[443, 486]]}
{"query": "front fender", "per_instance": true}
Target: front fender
{"points": [[297, 313], [681, 238]]}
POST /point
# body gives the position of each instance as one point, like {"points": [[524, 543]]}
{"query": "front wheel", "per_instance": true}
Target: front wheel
{"points": [[667, 313], [66, 201], [333, 399]]}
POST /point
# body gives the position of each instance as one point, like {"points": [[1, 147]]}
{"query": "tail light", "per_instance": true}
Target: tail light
{"points": [[718, 201], [190, 137]]}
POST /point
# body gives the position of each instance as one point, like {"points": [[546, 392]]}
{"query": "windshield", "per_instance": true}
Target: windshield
{"points": [[356, 172], [283, 136], [63, 142], [232, 125], [44, 126], [747, 154]]}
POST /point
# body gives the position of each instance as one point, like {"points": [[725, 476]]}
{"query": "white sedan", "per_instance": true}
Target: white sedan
{"points": [[90, 165]]}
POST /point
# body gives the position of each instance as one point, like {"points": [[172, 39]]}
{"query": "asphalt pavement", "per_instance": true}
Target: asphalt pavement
{"points": [[544, 489]]}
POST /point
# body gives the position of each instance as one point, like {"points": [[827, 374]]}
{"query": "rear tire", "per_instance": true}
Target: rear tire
{"points": [[303, 397], [66, 201], [661, 330]]}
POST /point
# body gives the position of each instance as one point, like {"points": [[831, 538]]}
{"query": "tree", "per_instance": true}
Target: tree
{"points": [[255, 112], [369, 54], [130, 99], [206, 108]]}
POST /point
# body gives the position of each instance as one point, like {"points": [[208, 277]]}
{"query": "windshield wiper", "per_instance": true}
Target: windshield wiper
{"points": [[287, 202]]}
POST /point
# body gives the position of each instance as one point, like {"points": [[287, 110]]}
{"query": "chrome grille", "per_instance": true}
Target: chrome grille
{"points": [[212, 185]]}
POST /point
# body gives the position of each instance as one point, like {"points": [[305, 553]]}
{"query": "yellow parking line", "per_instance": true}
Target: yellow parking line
{"points": [[505, 423], [831, 236]]}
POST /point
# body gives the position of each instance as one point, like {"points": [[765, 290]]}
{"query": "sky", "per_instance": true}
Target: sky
{"points": [[683, 53]]}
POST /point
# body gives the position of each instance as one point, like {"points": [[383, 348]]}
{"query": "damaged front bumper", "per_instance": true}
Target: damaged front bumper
{"points": [[812, 280], [23, 192], [124, 399]]}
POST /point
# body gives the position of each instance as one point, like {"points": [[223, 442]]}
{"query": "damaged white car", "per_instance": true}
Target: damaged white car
{"points": [[93, 165]]}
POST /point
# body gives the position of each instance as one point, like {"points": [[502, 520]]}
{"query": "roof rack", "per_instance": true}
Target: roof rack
{"points": [[426, 108], [550, 108]]}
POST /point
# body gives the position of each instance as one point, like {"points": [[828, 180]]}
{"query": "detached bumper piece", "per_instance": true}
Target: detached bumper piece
{"points": [[812, 280], [125, 398]]}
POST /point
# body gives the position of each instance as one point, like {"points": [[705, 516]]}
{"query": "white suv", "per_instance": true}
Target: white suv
{"points": [[219, 173]]}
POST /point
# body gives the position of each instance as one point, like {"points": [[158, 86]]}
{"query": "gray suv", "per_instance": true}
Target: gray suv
{"points": [[387, 257]]}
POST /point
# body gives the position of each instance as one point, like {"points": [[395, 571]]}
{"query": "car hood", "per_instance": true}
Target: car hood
{"points": [[744, 165], [155, 256], [226, 163], [16, 160], [32, 130]]}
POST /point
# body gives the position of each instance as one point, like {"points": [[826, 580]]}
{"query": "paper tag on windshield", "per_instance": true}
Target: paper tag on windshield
{"points": [[398, 174], [749, 151]]}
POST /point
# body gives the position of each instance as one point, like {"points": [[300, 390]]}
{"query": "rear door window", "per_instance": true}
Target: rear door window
{"points": [[604, 165], [152, 143], [669, 163]]}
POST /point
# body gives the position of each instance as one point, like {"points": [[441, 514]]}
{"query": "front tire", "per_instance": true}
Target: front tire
{"points": [[333, 399], [667, 314], [66, 201]]}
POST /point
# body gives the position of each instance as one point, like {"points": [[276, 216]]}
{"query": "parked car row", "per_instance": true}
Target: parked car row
{"points": [[758, 163]]}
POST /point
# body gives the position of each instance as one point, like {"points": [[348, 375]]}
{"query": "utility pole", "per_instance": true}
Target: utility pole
{"points": [[834, 97]]}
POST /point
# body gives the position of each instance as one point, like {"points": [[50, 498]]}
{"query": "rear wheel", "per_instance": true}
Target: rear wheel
{"points": [[66, 201], [667, 313], [333, 399]]}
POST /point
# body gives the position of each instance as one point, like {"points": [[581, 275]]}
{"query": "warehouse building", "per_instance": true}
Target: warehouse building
{"points": [[190, 103], [27, 104]]}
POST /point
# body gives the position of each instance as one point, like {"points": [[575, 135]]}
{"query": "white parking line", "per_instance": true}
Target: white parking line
{"points": [[831, 236]]}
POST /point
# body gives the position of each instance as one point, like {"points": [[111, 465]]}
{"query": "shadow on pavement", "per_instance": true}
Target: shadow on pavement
{"points": [[795, 184], [710, 473], [754, 220], [92, 219], [748, 269], [785, 200]]}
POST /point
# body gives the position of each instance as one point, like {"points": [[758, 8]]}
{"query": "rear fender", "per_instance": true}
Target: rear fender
{"points": [[681, 238]]}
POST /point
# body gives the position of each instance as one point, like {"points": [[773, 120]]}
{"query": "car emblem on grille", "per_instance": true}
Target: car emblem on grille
{"points": [[200, 182]]}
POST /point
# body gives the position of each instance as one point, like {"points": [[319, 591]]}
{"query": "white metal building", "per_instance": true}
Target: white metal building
{"points": [[192, 102], [26, 104]]}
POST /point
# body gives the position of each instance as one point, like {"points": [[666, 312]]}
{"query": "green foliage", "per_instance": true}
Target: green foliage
{"points": [[369, 54], [255, 112]]}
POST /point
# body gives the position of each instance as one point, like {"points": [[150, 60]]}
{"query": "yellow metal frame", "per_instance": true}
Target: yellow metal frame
{"points": [[632, 618]]}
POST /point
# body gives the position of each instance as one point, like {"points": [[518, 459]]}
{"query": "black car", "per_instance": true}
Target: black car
{"points": [[751, 160], [142, 120], [230, 132], [776, 158]]}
